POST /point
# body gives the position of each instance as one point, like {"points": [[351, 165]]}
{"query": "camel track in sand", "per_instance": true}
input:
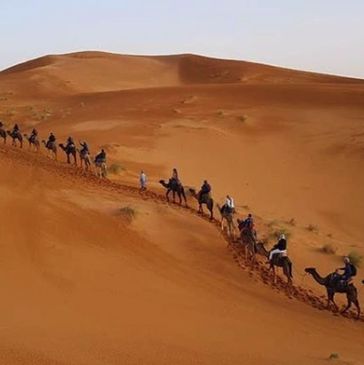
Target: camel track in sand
{"points": [[260, 271]]}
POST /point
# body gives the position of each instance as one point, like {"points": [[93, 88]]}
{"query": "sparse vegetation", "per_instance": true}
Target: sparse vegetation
{"points": [[355, 258], [115, 169], [329, 249], [128, 212], [312, 228], [292, 222], [221, 113], [177, 111], [334, 356], [242, 118]]}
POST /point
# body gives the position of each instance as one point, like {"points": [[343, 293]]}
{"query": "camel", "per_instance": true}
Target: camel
{"points": [[227, 216], [51, 148], [3, 134], [250, 245], [207, 200], [84, 158], [101, 169], [33, 140], [333, 287], [283, 262], [16, 135], [175, 188], [70, 150]]}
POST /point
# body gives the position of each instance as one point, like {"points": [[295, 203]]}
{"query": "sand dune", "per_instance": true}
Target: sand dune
{"points": [[83, 285]]}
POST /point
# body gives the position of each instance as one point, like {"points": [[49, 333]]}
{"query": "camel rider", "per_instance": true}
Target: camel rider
{"points": [[279, 248], [70, 143], [84, 150], [175, 176], [33, 135], [205, 190], [15, 129], [101, 157], [349, 270], [51, 140], [229, 205]]}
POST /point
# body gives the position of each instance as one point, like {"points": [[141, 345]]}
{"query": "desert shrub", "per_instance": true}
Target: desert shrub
{"points": [[329, 249], [355, 258], [128, 212], [242, 118], [334, 356], [115, 169], [221, 113], [312, 228], [292, 222]]}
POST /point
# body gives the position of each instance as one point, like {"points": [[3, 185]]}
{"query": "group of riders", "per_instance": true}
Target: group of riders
{"points": [[342, 276], [52, 142], [245, 226]]}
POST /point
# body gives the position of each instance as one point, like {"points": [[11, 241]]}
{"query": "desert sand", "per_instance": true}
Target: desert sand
{"points": [[82, 283]]}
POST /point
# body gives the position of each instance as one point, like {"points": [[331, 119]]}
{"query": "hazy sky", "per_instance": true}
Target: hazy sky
{"points": [[319, 35]]}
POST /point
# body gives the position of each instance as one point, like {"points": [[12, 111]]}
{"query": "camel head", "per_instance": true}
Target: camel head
{"points": [[163, 183], [192, 191], [310, 270]]}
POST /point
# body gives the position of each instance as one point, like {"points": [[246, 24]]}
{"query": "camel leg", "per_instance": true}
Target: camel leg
{"points": [[347, 307], [167, 195], [356, 302]]}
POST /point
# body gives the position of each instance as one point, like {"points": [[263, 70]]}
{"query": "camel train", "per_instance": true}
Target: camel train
{"points": [[276, 257]]}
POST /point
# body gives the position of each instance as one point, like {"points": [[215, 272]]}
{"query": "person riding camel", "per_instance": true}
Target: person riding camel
{"points": [[204, 191], [175, 176], [349, 271], [84, 148], [15, 129], [51, 140], [229, 205], [33, 135], [70, 143], [101, 157], [279, 248]]}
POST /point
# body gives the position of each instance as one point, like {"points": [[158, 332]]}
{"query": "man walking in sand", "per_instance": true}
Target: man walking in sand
{"points": [[143, 181]]}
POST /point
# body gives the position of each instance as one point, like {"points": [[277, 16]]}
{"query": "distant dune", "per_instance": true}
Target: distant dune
{"points": [[98, 71]]}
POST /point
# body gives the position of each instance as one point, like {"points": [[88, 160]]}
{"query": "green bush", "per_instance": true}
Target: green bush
{"points": [[312, 228], [355, 258], [115, 169], [128, 212]]}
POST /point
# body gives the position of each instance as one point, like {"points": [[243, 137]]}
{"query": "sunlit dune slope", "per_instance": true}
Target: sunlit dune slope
{"points": [[82, 284]]}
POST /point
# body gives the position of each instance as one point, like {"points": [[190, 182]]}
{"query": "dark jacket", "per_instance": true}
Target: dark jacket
{"points": [[205, 188], [51, 138], [101, 157], [348, 271], [281, 245]]}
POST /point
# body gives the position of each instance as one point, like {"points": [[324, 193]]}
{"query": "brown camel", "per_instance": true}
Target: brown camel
{"points": [[84, 158], [16, 136], [277, 261], [33, 141], [70, 150], [250, 245], [206, 200], [334, 286], [227, 216], [51, 148], [176, 188], [101, 169]]}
